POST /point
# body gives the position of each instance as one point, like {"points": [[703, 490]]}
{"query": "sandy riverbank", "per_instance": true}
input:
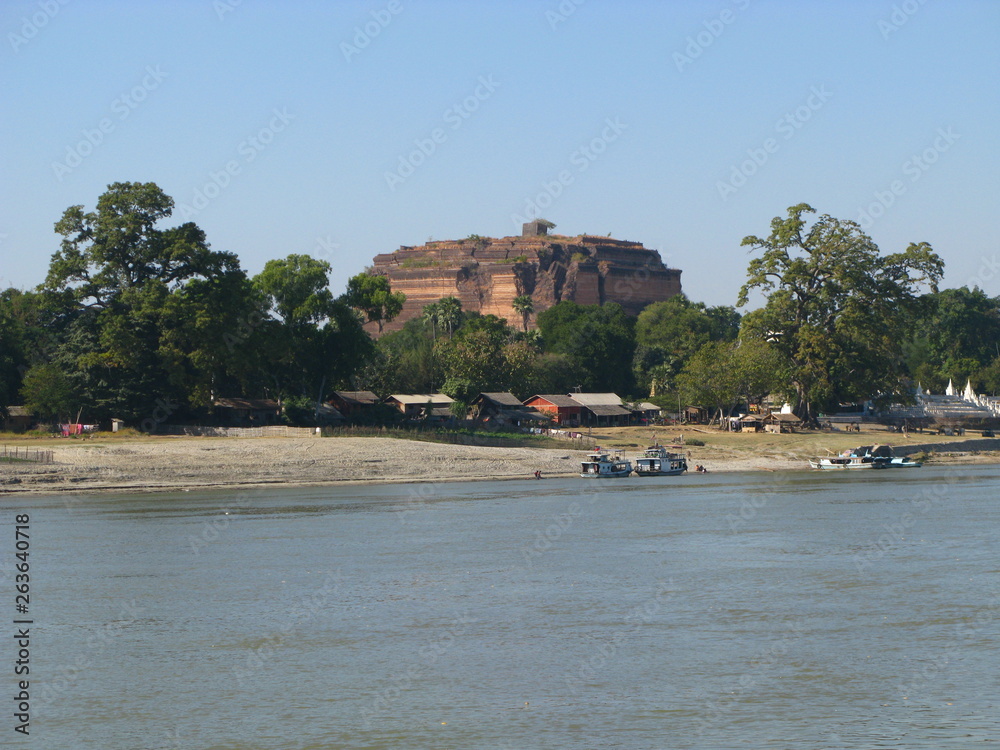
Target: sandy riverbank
{"points": [[158, 464]]}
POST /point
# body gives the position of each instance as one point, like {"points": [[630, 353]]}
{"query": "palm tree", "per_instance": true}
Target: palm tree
{"points": [[431, 313], [524, 305], [449, 313]]}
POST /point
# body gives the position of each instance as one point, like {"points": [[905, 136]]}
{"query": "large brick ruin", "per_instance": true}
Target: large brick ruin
{"points": [[486, 274]]}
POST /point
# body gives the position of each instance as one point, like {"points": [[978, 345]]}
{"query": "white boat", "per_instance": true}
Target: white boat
{"points": [[657, 461], [601, 464], [902, 462], [865, 457]]}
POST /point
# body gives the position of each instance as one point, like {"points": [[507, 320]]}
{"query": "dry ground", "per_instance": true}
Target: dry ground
{"points": [[139, 463]]}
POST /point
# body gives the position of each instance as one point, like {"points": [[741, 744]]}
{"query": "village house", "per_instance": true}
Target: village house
{"points": [[422, 405], [561, 409], [353, 404], [645, 412], [602, 409], [503, 409], [18, 419], [246, 412]]}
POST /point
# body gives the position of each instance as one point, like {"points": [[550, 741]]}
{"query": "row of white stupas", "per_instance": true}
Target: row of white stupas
{"points": [[990, 403]]}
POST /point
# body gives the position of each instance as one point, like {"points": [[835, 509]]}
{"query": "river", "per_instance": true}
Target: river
{"points": [[751, 610]]}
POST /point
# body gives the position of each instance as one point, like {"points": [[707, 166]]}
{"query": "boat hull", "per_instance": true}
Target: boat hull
{"points": [[658, 462], [601, 465], [829, 465]]}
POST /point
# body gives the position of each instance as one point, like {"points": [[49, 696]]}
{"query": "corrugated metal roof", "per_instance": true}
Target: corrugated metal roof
{"points": [[779, 417], [556, 399], [502, 399], [357, 397], [18, 411], [526, 413], [597, 399], [421, 398], [647, 406], [608, 410], [246, 403]]}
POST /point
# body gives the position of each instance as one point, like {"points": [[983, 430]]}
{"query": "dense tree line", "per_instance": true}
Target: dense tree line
{"points": [[137, 318]]}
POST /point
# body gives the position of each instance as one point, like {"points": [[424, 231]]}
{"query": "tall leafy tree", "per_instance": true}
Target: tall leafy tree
{"points": [[297, 288], [47, 392], [372, 296], [484, 355], [318, 341], [119, 247], [836, 309], [112, 292], [726, 375], [13, 348], [599, 339], [669, 333], [958, 337]]}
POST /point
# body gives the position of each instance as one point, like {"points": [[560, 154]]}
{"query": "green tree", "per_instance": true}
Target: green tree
{"points": [[484, 355], [956, 337], [524, 306], [430, 315], [371, 295], [119, 297], [47, 392], [551, 373], [836, 310], [449, 314], [297, 288], [13, 348], [119, 247], [678, 326], [319, 343], [599, 339], [707, 378], [669, 333]]}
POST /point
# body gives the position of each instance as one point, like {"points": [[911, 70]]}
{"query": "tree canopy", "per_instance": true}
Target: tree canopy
{"points": [[598, 339], [836, 309], [371, 295]]}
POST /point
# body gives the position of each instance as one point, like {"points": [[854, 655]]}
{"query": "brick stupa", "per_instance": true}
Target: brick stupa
{"points": [[486, 274]]}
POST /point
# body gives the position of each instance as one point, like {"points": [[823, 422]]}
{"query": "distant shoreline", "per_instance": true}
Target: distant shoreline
{"points": [[188, 464]]}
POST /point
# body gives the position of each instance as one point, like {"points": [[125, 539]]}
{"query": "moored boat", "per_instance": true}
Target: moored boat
{"points": [[602, 464], [865, 457], [657, 461]]}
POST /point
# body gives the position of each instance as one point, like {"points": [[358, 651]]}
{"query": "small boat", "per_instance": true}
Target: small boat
{"points": [[865, 457], [602, 464], [657, 461], [902, 462]]}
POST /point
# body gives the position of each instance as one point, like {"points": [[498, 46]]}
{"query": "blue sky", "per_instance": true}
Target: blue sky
{"points": [[343, 129]]}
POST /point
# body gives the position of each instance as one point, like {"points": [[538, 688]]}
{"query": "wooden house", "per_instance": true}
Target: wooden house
{"points": [[18, 419], [422, 405], [645, 412], [504, 409], [561, 409], [602, 409], [246, 412], [354, 403]]}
